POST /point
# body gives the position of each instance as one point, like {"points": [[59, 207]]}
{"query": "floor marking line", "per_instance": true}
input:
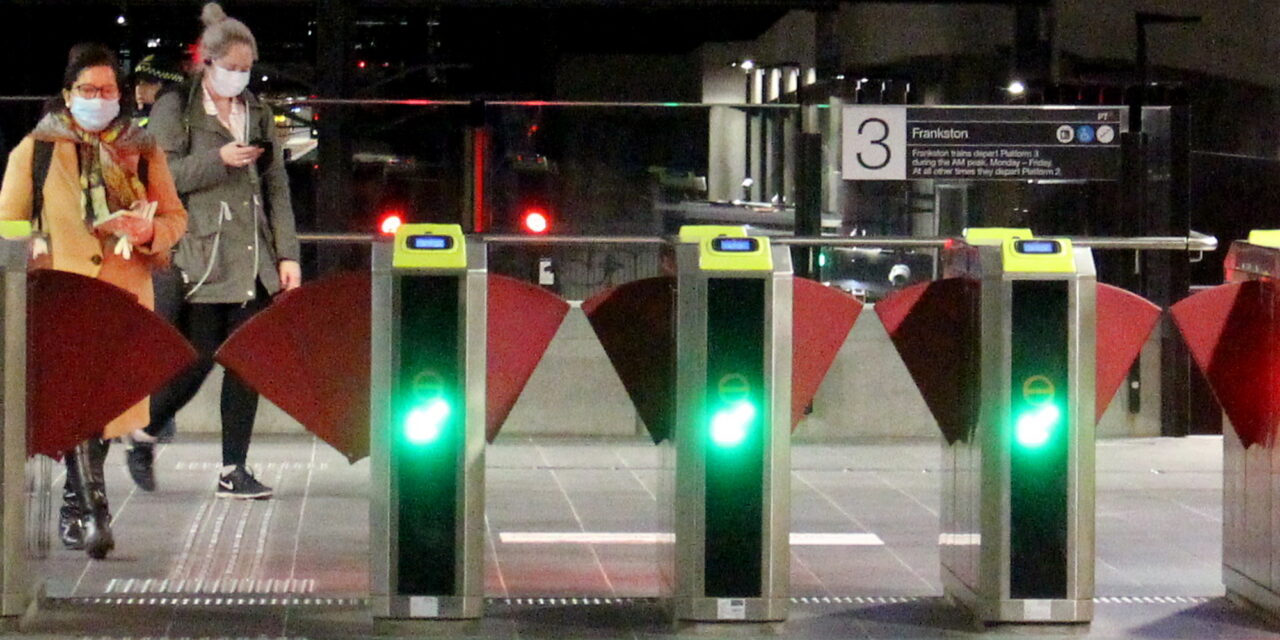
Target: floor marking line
{"points": [[302, 510], [860, 525], [497, 562], [264, 527], [193, 532], [211, 549], [652, 495], [959, 539], [641, 537], [798, 561], [237, 540], [578, 519], [932, 511]]}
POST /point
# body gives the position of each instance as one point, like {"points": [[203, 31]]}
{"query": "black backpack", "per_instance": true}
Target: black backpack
{"points": [[41, 157]]}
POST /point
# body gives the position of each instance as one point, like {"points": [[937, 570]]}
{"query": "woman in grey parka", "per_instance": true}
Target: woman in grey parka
{"points": [[240, 248]]}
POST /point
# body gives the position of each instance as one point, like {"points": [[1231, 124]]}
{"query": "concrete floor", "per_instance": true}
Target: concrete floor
{"points": [[191, 566]]}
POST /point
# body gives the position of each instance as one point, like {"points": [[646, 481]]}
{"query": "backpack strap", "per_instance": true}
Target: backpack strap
{"points": [[41, 158]]}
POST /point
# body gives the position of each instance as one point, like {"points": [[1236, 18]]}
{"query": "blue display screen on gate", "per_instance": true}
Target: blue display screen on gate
{"points": [[429, 242], [1041, 247], [735, 245]]}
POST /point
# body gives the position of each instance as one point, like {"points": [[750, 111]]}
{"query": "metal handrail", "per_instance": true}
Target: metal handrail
{"points": [[430, 102], [433, 102], [1194, 242]]}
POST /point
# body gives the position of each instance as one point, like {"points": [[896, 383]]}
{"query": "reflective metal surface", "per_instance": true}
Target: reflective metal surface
{"points": [[385, 599], [1251, 482], [1195, 242], [15, 581], [976, 500], [689, 572]]}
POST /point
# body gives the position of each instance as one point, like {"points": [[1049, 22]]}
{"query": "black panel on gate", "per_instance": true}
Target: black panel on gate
{"points": [[425, 464], [1038, 467], [734, 470]]}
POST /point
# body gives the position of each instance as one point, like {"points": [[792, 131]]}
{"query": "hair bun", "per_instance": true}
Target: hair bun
{"points": [[212, 14]]}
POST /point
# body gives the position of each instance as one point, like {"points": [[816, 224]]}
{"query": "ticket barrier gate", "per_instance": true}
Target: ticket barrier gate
{"points": [[1019, 496], [74, 323], [733, 427], [1003, 350], [1233, 332], [16, 581], [424, 357], [427, 424]]}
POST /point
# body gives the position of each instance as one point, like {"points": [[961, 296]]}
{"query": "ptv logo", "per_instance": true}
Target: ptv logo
{"points": [[734, 412], [1035, 424], [426, 418]]}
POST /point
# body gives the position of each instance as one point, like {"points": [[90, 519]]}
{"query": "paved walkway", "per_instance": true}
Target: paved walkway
{"points": [[574, 537]]}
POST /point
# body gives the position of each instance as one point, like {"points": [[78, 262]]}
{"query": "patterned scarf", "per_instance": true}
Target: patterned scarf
{"points": [[107, 182]]}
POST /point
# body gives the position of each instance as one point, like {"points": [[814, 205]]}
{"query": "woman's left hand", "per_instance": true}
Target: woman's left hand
{"points": [[139, 231], [290, 275]]}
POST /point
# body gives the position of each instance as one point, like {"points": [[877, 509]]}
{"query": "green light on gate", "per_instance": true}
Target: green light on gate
{"points": [[822, 259], [729, 425], [1033, 428], [424, 424]]}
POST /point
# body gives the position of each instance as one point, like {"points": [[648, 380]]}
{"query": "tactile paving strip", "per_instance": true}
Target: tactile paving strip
{"points": [[269, 601], [219, 586], [208, 601]]}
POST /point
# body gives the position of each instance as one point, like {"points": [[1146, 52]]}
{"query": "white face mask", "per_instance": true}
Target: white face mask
{"points": [[95, 114], [226, 83]]}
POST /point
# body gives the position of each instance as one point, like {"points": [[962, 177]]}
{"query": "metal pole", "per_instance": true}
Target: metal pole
{"points": [[1194, 242], [333, 201], [15, 578], [475, 155]]}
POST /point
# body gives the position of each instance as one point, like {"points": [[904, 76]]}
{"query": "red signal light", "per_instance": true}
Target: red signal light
{"points": [[535, 221], [390, 223]]}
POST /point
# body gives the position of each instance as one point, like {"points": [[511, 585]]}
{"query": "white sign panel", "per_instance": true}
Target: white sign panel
{"points": [[424, 607], [874, 140], [1019, 143], [731, 609]]}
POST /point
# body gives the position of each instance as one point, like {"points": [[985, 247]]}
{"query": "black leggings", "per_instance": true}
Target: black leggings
{"points": [[207, 325]]}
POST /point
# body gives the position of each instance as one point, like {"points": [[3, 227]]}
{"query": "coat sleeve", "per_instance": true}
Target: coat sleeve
{"points": [[171, 216], [281, 206], [15, 191], [192, 169]]}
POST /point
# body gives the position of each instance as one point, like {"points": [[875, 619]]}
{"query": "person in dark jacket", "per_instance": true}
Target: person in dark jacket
{"points": [[153, 75], [241, 248]]}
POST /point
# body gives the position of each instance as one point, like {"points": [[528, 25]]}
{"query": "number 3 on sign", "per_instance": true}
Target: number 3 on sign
{"points": [[874, 143]]}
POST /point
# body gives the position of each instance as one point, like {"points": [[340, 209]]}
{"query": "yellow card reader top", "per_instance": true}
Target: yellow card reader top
{"points": [[15, 229], [429, 246], [994, 236], [727, 248], [1265, 238], [726, 253], [1038, 255]]}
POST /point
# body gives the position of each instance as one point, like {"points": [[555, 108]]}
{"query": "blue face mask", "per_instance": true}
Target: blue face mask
{"points": [[93, 115]]}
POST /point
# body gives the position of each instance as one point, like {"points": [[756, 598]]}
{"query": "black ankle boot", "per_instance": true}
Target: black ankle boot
{"points": [[70, 529], [98, 541]]}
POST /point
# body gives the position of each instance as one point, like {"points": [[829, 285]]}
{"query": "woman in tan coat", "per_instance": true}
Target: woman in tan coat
{"points": [[102, 222]]}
